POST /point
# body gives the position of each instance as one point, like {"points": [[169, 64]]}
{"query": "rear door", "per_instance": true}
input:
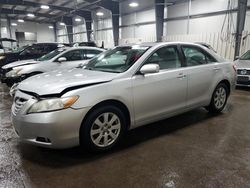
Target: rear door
{"points": [[159, 94], [201, 70]]}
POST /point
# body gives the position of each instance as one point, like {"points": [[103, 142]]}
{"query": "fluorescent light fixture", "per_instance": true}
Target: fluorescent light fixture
{"points": [[51, 27], [13, 24], [20, 20], [30, 15], [100, 14], [133, 4], [78, 19], [62, 24], [44, 7]]}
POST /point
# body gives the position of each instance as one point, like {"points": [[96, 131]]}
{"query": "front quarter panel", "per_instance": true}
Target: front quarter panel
{"points": [[119, 90]]}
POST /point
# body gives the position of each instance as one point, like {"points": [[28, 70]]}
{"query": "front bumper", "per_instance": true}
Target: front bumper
{"points": [[59, 129], [243, 80]]}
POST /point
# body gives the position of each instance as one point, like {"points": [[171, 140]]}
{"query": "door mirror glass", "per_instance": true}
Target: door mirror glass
{"points": [[150, 69], [62, 59]]}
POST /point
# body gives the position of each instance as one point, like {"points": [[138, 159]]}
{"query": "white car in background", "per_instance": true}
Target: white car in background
{"points": [[62, 58], [243, 70]]}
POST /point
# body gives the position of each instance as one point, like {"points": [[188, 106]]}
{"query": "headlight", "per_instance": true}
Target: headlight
{"points": [[54, 104], [2, 57], [13, 73]]}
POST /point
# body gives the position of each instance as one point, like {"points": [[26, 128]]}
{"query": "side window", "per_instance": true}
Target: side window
{"points": [[74, 55], [50, 48], [166, 58], [195, 56], [91, 53], [34, 50]]}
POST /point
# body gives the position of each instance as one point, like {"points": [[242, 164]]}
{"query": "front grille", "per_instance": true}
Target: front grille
{"points": [[243, 72], [18, 104]]}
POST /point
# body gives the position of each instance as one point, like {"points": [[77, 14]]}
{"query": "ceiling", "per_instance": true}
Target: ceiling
{"points": [[18, 9]]}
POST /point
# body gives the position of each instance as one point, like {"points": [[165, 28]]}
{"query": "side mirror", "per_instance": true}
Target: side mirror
{"points": [[150, 69], [62, 59]]}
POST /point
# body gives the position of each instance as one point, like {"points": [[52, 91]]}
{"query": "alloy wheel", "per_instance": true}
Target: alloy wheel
{"points": [[105, 130]]}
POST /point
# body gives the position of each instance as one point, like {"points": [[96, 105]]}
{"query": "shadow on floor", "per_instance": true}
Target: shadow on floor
{"points": [[74, 156]]}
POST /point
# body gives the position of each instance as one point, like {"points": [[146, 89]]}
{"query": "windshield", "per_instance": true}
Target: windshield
{"points": [[51, 55], [117, 60], [246, 56]]}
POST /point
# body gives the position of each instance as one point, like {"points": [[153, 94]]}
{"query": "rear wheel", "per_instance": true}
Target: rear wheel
{"points": [[219, 99], [102, 129]]}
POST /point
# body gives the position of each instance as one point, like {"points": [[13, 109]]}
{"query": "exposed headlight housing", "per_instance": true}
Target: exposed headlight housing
{"points": [[54, 104], [13, 73], [2, 57]]}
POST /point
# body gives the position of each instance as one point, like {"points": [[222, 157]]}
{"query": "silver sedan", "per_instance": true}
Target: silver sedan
{"points": [[243, 70], [121, 89]]}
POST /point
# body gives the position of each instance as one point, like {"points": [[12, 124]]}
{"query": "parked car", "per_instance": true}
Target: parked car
{"points": [[243, 70], [62, 58], [119, 90], [31, 52]]}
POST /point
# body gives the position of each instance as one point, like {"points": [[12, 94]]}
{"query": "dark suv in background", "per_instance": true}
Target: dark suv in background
{"points": [[31, 52]]}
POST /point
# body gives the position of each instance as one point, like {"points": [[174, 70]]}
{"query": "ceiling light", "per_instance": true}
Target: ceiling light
{"points": [[13, 24], [78, 19], [44, 7], [51, 27], [20, 20], [62, 24], [30, 15], [133, 4], [100, 14]]}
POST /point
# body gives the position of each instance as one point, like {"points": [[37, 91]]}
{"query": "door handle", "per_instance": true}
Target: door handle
{"points": [[181, 75]]}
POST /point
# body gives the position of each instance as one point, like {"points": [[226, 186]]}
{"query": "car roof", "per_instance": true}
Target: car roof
{"points": [[151, 44], [81, 48]]}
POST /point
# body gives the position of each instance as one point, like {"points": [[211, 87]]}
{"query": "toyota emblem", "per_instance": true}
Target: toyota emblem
{"points": [[243, 72]]}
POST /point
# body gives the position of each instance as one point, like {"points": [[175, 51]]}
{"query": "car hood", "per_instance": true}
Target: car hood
{"points": [[243, 64], [57, 82], [20, 63]]}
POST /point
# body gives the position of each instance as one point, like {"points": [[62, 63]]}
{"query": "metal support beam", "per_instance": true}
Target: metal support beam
{"points": [[23, 12], [35, 4], [114, 7], [241, 17], [69, 27], [9, 28], [55, 31], [159, 17]]}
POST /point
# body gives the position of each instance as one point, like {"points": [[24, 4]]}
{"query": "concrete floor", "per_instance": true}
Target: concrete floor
{"points": [[191, 150]]}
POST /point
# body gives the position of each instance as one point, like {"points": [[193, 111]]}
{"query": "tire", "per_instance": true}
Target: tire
{"points": [[9, 84], [98, 134], [219, 99]]}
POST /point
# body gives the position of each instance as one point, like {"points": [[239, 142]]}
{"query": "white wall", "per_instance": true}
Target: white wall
{"points": [[197, 25], [42, 31], [80, 34]]}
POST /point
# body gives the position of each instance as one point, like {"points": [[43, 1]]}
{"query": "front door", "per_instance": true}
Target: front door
{"points": [[159, 94]]}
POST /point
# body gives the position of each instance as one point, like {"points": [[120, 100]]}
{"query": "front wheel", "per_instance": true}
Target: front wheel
{"points": [[219, 99], [102, 128]]}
